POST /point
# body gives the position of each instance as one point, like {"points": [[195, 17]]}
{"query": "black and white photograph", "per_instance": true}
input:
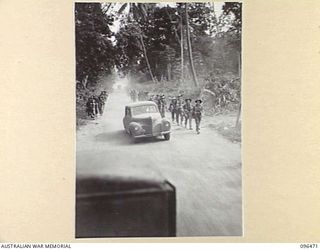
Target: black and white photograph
{"points": [[158, 119]]}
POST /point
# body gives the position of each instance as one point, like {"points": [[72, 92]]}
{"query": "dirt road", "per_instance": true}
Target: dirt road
{"points": [[205, 168]]}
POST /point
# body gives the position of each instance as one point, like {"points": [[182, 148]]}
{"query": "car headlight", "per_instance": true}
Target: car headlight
{"points": [[166, 124]]}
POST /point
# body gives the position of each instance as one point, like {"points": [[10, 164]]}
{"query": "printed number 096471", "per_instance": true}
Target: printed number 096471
{"points": [[308, 245]]}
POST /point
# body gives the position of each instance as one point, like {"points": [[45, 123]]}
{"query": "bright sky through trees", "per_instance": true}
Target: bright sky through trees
{"points": [[115, 27]]}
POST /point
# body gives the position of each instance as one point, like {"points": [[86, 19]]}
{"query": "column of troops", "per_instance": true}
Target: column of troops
{"points": [[95, 104], [182, 112]]}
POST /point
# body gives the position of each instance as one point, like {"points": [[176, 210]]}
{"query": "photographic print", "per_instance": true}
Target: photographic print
{"points": [[158, 119]]}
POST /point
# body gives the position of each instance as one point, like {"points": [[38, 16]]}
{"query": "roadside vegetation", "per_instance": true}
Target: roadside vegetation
{"points": [[192, 49]]}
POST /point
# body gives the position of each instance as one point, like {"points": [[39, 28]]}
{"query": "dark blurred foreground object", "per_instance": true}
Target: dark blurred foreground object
{"points": [[111, 207]]}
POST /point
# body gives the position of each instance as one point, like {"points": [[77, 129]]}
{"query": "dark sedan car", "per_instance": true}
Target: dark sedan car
{"points": [[143, 119]]}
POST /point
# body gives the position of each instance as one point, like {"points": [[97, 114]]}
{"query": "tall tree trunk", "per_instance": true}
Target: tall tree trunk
{"points": [[174, 28], [105, 9], [239, 64], [147, 60], [238, 115], [85, 82], [189, 48], [169, 71], [181, 48], [239, 110]]}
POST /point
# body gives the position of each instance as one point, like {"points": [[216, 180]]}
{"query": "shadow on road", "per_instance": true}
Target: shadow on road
{"points": [[149, 140], [119, 137]]}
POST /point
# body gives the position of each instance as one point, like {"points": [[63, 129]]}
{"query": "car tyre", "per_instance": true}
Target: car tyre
{"points": [[133, 139], [167, 136]]}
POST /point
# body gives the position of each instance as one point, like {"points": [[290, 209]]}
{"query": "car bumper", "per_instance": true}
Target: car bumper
{"points": [[152, 135]]}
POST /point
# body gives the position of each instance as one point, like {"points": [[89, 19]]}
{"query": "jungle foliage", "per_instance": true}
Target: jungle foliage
{"points": [[183, 44]]}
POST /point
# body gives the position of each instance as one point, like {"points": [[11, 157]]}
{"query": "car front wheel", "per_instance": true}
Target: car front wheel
{"points": [[167, 136]]}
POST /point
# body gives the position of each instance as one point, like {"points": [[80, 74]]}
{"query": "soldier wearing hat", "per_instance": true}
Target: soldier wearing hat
{"points": [[187, 110], [96, 105], [140, 95], [197, 113], [101, 101], [179, 110], [151, 98], [162, 105], [156, 99], [88, 105], [92, 107], [145, 95], [172, 107], [133, 95]]}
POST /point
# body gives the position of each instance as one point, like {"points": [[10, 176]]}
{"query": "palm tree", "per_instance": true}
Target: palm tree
{"points": [[194, 76], [181, 48], [179, 40], [139, 11]]}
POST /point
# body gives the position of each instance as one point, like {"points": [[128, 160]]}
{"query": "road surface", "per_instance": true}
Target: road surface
{"points": [[205, 168]]}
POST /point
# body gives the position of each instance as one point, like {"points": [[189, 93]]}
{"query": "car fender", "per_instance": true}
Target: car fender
{"points": [[166, 121], [124, 123]]}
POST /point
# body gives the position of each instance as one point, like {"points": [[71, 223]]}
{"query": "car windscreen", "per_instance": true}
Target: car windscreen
{"points": [[143, 109]]}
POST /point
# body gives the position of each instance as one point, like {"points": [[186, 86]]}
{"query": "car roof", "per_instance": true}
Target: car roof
{"points": [[143, 103]]}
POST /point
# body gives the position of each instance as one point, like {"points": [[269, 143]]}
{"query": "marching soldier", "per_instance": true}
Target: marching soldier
{"points": [[162, 106], [156, 99], [101, 101], [179, 110], [134, 95], [197, 112], [172, 108], [131, 94], [88, 106], [145, 95], [96, 105], [92, 107], [187, 109]]}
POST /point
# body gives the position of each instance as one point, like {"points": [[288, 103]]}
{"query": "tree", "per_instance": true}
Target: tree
{"points": [[234, 8], [236, 29], [189, 47], [159, 39], [165, 40], [138, 11], [181, 47], [94, 49]]}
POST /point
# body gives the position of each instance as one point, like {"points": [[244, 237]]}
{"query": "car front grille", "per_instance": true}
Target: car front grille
{"points": [[147, 129], [157, 129]]}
